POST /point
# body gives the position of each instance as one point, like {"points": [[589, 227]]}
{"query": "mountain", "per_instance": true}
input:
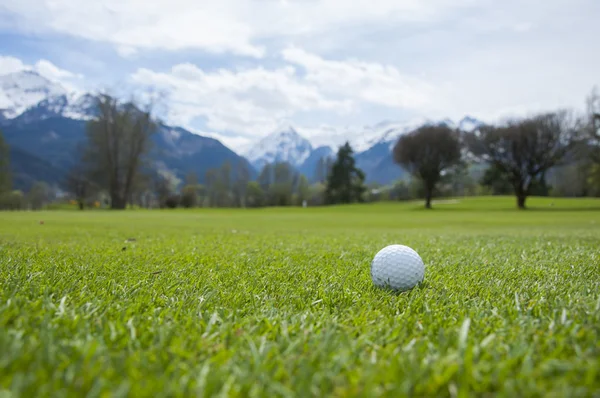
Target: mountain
{"points": [[309, 166], [469, 124], [26, 169], [377, 161], [54, 141], [43, 124], [280, 146], [372, 147], [22, 90], [180, 151]]}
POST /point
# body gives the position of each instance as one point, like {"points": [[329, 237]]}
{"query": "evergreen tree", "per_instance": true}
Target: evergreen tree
{"points": [[345, 182]]}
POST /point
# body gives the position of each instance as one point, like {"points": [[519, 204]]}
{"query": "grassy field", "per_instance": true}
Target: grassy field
{"points": [[279, 302]]}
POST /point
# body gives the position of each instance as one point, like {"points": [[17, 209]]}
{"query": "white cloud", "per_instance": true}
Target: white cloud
{"points": [[343, 62], [53, 72], [215, 26], [253, 102], [126, 51], [10, 64], [44, 67], [371, 82], [247, 102]]}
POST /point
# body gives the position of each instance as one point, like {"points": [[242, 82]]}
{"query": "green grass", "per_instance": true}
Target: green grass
{"points": [[279, 302]]}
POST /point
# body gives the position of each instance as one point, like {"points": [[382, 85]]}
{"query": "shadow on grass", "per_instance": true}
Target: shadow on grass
{"points": [[449, 209], [420, 286]]}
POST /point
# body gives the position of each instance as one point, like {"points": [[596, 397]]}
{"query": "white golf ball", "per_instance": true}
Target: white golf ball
{"points": [[397, 267]]}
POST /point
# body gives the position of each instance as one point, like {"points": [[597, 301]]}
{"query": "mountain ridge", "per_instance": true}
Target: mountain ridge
{"points": [[43, 124], [372, 147], [27, 99]]}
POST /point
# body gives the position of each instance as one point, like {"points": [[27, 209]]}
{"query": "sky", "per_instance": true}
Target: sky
{"points": [[241, 69]]}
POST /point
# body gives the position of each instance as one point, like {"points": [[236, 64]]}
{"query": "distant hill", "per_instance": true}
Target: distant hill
{"points": [[44, 122], [54, 141], [372, 147], [26, 169]]}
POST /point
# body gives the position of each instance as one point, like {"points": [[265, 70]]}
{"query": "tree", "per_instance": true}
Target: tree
{"points": [[189, 197], [593, 180], [118, 142], [79, 186], [77, 182], [572, 180], [317, 194], [497, 181], [524, 150], [162, 186], [277, 182], [265, 178], [323, 169], [13, 200], [223, 184], [345, 182], [282, 188], [255, 194], [210, 178], [303, 189], [400, 191], [5, 175], [189, 192], [428, 153], [240, 185], [593, 125], [38, 195]]}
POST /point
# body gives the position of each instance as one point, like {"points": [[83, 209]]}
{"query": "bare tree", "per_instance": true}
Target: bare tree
{"points": [[282, 186], [38, 195], [323, 168], [427, 153], [117, 146], [524, 150], [79, 186], [593, 125], [240, 185], [223, 184], [189, 192], [162, 188]]}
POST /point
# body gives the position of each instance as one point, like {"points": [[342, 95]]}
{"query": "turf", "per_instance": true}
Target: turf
{"points": [[279, 302]]}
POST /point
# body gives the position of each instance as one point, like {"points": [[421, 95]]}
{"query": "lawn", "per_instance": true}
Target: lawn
{"points": [[279, 302]]}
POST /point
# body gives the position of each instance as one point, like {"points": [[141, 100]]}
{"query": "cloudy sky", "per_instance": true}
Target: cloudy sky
{"points": [[238, 69]]}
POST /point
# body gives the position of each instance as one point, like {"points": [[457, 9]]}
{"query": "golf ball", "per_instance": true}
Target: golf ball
{"points": [[397, 267]]}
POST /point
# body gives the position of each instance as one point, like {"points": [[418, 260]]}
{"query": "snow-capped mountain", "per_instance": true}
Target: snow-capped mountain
{"points": [[389, 132], [28, 91], [21, 90], [362, 138], [37, 113], [469, 124], [372, 146], [285, 145]]}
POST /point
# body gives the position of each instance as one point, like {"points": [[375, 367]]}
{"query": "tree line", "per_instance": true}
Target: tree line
{"points": [[518, 156]]}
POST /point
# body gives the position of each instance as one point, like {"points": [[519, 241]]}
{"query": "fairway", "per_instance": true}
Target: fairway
{"points": [[279, 301]]}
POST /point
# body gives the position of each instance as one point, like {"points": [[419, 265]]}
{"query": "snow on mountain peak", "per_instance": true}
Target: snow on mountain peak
{"points": [[387, 131], [284, 145], [28, 91], [24, 89], [469, 124]]}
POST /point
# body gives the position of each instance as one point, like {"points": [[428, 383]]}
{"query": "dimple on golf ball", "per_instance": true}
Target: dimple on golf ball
{"points": [[397, 267]]}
